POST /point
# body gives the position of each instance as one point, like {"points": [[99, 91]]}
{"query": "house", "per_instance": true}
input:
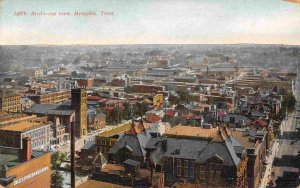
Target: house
{"points": [[96, 120], [235, 120], [130, 146]]}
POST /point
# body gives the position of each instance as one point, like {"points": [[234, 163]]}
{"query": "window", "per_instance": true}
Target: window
{"points": [[178, 167], [218, 167], [191, 169], [201, 176], [202, 169], [212, 167], [169, 166], [211, 178], [186, 168]]}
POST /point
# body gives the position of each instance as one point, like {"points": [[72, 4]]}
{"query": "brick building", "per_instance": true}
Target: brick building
{"points": [[37, 129], [85, 83], [213, 158], [50, 98], [24, 167], [10, 102], [257, 145], [34, 72], [139, 88]]}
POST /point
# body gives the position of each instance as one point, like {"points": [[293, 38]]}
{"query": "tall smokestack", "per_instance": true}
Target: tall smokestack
{"points": [[26, 149]]}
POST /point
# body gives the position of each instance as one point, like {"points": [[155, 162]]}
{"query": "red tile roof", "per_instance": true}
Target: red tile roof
{"points": [[261, 122], [170, 112], [94, 98]]}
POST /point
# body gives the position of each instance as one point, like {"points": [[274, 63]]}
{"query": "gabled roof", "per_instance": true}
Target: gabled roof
{"points": [[137, 143], [224, 150]]}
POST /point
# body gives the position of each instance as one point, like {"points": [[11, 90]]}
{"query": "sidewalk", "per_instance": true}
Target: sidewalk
{"points": [[270, 159]]}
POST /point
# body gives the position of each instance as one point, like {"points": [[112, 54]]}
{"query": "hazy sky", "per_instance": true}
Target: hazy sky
{"points": [[151, 22]]}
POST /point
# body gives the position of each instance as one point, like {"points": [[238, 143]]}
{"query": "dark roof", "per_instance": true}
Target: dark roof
{"points": [[136, 143], [224, 150], [191, 152], [258, 114], [238, 118], [52, 109], [131, 162], [88, 145], [198, 150]]}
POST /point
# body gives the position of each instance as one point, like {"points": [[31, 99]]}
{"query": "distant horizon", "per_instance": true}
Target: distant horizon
{"points": [[149, 44]]}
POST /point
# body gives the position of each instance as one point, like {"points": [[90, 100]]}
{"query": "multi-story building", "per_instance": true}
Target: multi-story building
{"points": [[105, 141], [51, 97], [141, 88], [257, 145], [62, 117], [24, 167], [79, 104], [10, 102], [34, 72], [213, 157], [85, 83], [37, 129]]}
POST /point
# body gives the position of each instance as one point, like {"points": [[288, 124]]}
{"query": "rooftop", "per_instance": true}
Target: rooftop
{"points": [[53, 109], [23, 126], [11, 158], [115, 131], [94, 183], [192, 131]]}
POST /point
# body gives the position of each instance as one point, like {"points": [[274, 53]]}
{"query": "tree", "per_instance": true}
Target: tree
{"points": [[56, 179], [57, 158], [117, 114], [141, 108], [128, 89], [173, 99], [127, 110], [288, 103], [184, 96], [23, 80]]}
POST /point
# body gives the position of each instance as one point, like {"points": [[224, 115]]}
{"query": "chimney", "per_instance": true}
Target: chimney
{"points": [[26, 149]]}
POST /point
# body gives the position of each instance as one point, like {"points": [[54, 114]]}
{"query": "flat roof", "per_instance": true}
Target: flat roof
{"points": [[11, 159], [22, 126], [94, 184], [192, 131], [115, 131]]}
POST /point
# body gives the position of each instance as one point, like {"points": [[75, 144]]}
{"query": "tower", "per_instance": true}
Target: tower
{"points": [[78, 103]]}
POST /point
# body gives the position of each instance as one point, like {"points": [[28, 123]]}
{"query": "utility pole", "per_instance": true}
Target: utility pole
{"points": [[72, 155]]}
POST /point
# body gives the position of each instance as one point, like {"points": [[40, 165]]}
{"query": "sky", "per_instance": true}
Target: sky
{"points": [[150, 22]]}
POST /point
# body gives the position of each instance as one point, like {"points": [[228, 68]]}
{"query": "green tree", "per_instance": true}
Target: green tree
{"points": [[127, 110], [116, 114], [173, 99], [141, 108], [128, 89], [57, 158], [288, 102], [23, 80], [56, 179], [184, 96]]}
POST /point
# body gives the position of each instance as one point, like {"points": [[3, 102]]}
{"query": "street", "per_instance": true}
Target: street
{"points": [[289, 145], [79, 143]]}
